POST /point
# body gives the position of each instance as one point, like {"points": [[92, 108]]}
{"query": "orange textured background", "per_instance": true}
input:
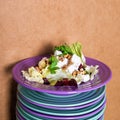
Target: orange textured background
{"points": [[32, 27]]}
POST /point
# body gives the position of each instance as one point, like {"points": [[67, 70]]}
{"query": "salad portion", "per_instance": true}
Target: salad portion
{"points": [[65, 67]]}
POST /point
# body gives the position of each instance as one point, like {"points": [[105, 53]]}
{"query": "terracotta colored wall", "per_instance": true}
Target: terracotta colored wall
{"points": [[32, 27]]}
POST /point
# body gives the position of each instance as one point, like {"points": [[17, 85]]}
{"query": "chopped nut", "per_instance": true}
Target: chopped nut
{"points": [[83, 72], [74, 73], [78, 72], [70, 62], [64, 67], [61, 58], [67, 56]]}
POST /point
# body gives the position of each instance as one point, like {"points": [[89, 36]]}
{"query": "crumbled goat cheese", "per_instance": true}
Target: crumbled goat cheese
{"points": [[57, 52], [60, 64], [76, 63], [85, 78]]}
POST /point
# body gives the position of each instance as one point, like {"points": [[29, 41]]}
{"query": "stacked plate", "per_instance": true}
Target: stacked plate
{"points": [[33, 105], [43, 102]]}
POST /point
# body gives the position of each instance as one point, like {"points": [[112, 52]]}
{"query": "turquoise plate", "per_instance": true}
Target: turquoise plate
{"points": [[68, 101], [29, 116], [75, 112]]}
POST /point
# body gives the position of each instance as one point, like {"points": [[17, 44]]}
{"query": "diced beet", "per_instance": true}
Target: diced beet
{"points": [[65, 81], [46, 82], [59, 83], [73, 82]]}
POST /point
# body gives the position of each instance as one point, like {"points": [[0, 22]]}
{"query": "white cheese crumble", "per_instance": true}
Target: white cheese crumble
{"points": [[85, 78], [76, 59], [76, 63], [60, 64], [57, 52]]}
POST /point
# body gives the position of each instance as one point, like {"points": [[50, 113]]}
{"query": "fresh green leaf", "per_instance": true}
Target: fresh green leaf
{"points": [[53, 69], [53, 62], [65, 49]]}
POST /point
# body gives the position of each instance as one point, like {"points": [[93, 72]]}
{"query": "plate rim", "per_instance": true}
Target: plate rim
{"points": [[59, 91]]}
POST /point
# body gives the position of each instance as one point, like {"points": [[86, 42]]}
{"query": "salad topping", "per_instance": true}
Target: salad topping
{"points": [[66, 67]]}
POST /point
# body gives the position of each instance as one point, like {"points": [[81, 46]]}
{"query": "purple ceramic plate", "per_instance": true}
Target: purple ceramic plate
{"points": [[100, 79]]}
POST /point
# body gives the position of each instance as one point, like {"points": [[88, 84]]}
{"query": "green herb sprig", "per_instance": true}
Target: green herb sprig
{"points": [[65, 49], [53, 62]]}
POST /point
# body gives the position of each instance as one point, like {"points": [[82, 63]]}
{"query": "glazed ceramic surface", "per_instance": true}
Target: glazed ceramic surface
{"points": [[100, 79]]}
